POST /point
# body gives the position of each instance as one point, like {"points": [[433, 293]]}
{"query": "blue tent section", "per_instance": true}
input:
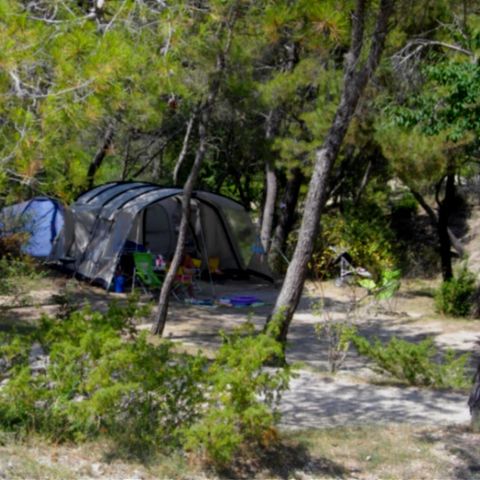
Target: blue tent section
{"points": [[41, 217]]}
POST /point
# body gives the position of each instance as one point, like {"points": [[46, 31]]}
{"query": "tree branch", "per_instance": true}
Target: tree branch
{"points": [[183, 152]]}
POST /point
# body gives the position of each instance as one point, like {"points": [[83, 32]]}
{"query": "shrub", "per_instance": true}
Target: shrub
{"points": [[386, 287], [455, 296], [367, 239], [100, 377], [11, 244], [415, 363], [242, 396], [15, 271]]}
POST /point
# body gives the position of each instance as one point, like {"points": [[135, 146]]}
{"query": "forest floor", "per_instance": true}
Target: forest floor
{"points": [[354, 424]]}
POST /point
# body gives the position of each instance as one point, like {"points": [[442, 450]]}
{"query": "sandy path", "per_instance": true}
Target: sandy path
{"points": [[316, 401]]}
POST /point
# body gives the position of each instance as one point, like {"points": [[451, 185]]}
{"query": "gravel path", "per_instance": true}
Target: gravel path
{"points": [[316, 401]]}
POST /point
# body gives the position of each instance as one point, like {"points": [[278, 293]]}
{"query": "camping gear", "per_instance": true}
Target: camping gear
{"points": [[240, 301], [118, 284], [110, 215], [144, 272], [42, 218], [243, 301]]}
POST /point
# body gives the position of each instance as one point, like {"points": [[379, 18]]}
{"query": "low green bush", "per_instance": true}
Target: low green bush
{"points": [[415, 363], [365, 236], [101, 377], [15, 272], [406, 203], [242, 396], [455, 296]]}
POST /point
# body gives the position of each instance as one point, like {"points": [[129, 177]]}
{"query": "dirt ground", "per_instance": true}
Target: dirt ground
{"points": [[316, 400], [349, 397]]}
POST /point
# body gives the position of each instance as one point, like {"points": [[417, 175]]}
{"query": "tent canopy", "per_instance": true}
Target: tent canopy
{"points": [[42, 218], [111, 219]]}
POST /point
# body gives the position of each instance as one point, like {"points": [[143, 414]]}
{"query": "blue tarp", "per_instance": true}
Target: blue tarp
{"points": [[40, 217]]}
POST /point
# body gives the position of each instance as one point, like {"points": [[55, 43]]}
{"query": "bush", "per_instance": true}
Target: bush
{"points": [[100, 377], [415, 363], [455, 296], [367, 238], [241, 400], [405, 207], [11, 244], [15, 267]]}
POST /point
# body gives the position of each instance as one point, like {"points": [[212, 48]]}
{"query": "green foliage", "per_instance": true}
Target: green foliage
{"points": [[100, 377], [455, 296], [16, 269], [458, 85], [415, 363], [405, 206], [386, 287], [338, 335], [241, 396], [367, 238]]}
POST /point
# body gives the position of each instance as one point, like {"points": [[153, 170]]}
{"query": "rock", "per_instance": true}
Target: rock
{"points": [[97, 469], [36, 351]]}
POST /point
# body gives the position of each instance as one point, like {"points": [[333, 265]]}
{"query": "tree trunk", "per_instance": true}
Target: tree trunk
{"points": [[355, 80], [286, 219], [100, 156], [271, 180], [363, 183], [206, 111], [163, 301], [183, 153], [271, 187], [444, 210], [454, 241]]}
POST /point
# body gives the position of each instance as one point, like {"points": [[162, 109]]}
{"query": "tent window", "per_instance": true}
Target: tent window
{"points": [[157, 230]]}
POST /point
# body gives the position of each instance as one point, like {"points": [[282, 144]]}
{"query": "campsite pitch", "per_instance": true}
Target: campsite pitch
{"points": [[429, 426]]}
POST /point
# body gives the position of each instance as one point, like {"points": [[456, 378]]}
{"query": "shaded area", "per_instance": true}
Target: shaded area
{"points": [[314, 401], [463, 445], [283, 461]]}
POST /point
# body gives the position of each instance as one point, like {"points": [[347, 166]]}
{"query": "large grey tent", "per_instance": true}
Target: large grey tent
{"points": [[113, 219]]}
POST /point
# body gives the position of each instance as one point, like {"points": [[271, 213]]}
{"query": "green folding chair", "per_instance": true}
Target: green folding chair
{"points": [[144, 272]]}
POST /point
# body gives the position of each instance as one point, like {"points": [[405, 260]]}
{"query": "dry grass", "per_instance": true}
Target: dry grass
{"points": [[392, 451], [366, 452]]}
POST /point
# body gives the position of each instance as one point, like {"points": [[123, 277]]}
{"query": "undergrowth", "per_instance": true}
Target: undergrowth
{"points": [[415, 363], [455, 296], [97, 376], [16, 268]]}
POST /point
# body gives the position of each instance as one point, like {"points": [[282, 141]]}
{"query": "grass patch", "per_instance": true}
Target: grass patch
{"points": [[391, 451], [363, 452]]}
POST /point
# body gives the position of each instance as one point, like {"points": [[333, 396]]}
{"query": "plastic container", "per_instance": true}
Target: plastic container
{"points": [[243, 301], [119, 284]]}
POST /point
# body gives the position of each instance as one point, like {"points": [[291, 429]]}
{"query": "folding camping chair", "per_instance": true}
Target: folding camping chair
{"points": [[144, 272], [183, 285]]}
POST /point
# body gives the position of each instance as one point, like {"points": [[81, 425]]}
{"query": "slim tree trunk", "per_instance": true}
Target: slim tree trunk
{"points": [[363, 183], [206, 111], [286, 219], [355, 81], [444, 210], [183, 153], [271, 187], [271, 180], [454, 241], [163, 301], [100, 155]]}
